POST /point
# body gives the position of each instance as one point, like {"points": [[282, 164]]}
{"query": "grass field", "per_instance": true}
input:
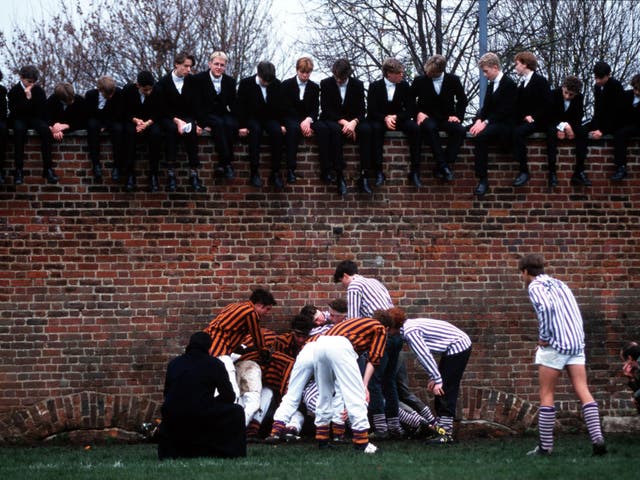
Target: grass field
{"points": [[477, 459]]}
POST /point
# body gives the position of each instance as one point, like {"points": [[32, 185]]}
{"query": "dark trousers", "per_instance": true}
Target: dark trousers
{"points": [[430, 129], [173, 137], [331, 140], [580, 147], [410, 129], [152, 135], [116, 130], [620, 142], [451, 368], [405, 395], [520, 135], [20, 127], [275, 137], [383, 388], [292, 139], [224, 131], [494, 132]]}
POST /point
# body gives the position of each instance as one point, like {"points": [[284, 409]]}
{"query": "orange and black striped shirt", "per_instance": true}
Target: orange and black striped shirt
{"points": [[365, 334], [231, 325]]}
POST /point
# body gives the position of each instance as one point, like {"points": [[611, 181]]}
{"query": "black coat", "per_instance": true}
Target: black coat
{"points": [[331, 105], [499, 106], [297, 109], [194, 422], [378, 106], [207, 101], [21, 108], [607, 106], [452, 101], [174, 103], [252, 106], [557, 114], [533, 100], [112, 111], [135, 108], [73, 115]]}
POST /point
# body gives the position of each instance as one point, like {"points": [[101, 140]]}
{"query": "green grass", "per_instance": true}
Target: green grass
{"points": [[477, 459]]}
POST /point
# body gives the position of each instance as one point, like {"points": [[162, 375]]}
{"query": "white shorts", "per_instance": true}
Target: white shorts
{"points": [[549, 357]]}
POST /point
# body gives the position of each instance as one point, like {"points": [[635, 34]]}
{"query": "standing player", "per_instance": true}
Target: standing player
{"points": [[336, 367], [560, 346], [231, 325], [365, 296], [425, 336]]}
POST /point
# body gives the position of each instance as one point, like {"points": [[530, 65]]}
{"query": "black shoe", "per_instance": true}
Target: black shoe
{"points": [[97, 172], [380, 178], [195, 183], [553, 179], [219, 170], [255, 180], [447, 174], [599, 449], [172, 184], [229, 173], [440, 440], [364, 185], [539, 451], [18, 177], [327, 178], [620, 173], [1, 177], [414, 178], [342, 186], [521, 179], [580, 178], [325, 445], [131, 184], [291, 176], [115, 174], [482, 187], [154, 183], [276, 180], [50, 176]]}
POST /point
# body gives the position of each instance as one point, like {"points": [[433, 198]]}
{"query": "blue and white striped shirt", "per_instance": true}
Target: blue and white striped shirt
{"points": [[365, 296], [426, 335], [559, 318]]}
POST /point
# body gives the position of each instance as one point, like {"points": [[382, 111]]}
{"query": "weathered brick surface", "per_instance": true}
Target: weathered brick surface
{"points": [[100, 288]]}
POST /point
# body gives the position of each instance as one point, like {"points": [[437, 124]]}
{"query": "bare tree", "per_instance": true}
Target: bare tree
{"points": [[80, 44]]}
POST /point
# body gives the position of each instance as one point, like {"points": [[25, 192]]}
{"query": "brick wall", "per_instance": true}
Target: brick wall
{"points": [[100, 288]]}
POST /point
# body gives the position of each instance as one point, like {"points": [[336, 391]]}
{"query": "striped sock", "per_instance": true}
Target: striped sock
{"points": [[360, 437], [322, 433], [253, 428], [394, 425], [277, 428], [446, 423], [337, 429], [546, 422], [379, 422], [427, 414], [591, 416], [410, 419]]}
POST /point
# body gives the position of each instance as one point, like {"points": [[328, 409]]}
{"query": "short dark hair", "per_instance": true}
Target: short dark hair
{"points": [[1, 75], [342, 68], [572, 83], [182, 56], [601, 69], [267, 71], [145, 79], [29, 72], [302, 324], [339, 305], [532, 263], [200, 341], [346, 266], [630, 349], [262, 296], [308, 311]]}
